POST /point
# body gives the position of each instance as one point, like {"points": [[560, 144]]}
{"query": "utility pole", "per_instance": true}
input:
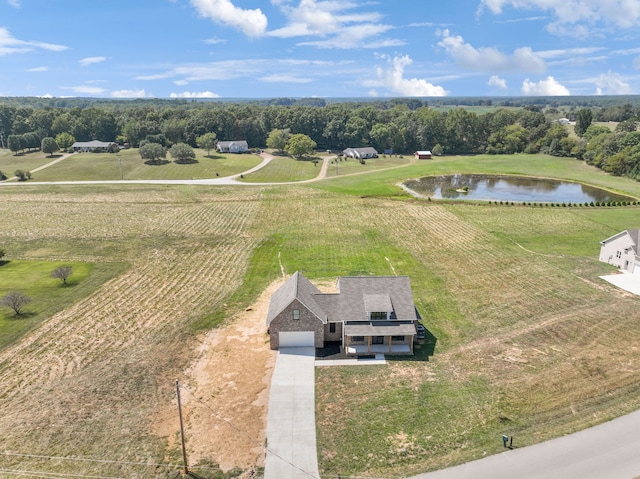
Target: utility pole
{"points": [[184, 450], [120, 167]]}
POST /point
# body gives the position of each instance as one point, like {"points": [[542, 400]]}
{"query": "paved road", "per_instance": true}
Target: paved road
{"points": [[608, 451], [291, 417]]}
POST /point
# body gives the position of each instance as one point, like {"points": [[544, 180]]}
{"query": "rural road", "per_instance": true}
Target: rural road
{"points": [[609, 450]]}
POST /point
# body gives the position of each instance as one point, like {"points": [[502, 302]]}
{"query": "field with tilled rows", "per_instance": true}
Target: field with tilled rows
{"points": [[524, 338]]}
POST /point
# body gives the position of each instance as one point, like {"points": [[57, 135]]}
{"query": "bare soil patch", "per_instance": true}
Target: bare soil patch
{"points": [[226, 392]]}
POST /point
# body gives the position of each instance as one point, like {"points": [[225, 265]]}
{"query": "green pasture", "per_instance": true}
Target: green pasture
{"points": [[48, 295], [284, 169], [128, 165], [347, 166], [27, 161]]}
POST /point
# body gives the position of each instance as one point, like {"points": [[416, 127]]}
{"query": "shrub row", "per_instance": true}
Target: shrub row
{"points": [[564, 205]]}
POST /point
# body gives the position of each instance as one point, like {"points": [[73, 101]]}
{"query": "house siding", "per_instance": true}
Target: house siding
{"points": [[307, 322], [613, 252]]}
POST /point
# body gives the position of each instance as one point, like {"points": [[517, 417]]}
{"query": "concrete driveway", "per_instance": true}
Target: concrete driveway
{"points": [[627, 281], [291, 418]]}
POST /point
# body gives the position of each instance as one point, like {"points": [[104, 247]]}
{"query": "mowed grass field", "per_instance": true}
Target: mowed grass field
{"points": [[527, 340], [129, 166]]}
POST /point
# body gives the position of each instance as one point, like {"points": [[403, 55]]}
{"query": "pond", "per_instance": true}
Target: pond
{"points": [[509, 188]]}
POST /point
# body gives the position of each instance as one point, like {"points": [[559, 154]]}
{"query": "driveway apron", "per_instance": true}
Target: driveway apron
{"points": [[291, 422]]}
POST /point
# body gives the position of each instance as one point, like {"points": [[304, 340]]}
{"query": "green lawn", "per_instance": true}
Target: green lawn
{"points": [[48, 295], [284, 169], [348, 166], [106, 166], [24, 161]]}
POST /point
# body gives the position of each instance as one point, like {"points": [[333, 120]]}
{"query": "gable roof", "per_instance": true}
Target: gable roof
{"points": [[297, 287], [634, 235], [228, 144], [92, 144], [356, 297]]}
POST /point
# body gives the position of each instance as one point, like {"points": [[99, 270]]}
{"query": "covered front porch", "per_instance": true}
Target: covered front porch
{"points": [[378, 337]]}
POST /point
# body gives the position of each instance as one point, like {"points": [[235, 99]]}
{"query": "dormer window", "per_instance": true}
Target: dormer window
{"points": [[378, 316]]}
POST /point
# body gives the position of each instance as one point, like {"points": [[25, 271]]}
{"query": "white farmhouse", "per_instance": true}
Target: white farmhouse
{"points": [[621, 250]]}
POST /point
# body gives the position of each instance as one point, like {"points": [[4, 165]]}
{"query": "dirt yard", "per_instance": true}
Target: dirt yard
{"points": [[226, 392]]}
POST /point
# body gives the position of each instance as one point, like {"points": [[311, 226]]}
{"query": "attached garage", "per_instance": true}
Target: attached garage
{"points": [[296, 339], [636, 268]]}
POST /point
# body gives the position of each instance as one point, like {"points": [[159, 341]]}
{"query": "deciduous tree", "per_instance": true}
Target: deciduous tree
{"points": [[300, 145], [584, 117], [15, 300], [207, 142], [65, 140], [278, 139], [182, 153], [49, 145], [152, 152], [62, 273]]}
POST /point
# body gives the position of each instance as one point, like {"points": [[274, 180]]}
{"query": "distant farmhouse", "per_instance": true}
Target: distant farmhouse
{"points": [[423, 155], [361, 153], [238, 146], [367, 315], [94, 145], [622, 250]]}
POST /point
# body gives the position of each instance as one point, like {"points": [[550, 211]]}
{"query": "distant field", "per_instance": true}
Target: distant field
{"points": [[106, 166], [528, 341], [284, 169]]}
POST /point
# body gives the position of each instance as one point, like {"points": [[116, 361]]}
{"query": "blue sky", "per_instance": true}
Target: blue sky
{"points": [[316, 48]]}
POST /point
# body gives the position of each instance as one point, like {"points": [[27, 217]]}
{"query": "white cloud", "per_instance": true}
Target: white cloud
{"points": [[9, 44], [612, 84], [129, 94], [91, 60], [490, 59], [86, 89], [252, 23], [285, 79], [46, 95], [571, 15], [14, 3], [38, 69], [214, 41], [393, 79], [636, 63], [495, 80], [548, 87], [334, 21], [194, 94]]}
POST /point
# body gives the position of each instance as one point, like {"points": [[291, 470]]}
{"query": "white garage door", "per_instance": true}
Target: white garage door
{"points": [[296, 339], [636, 268]]}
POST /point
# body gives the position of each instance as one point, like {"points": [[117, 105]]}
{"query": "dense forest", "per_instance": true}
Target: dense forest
{"points": [[445, 126]]}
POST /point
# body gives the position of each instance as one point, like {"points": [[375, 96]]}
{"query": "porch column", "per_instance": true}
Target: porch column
{"points": [[411, 344], [390, 341], [368, 344]]}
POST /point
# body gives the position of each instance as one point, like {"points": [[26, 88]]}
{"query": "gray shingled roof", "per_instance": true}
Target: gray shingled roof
{"points": [[357, 295], [633, 234], [297, 287]]}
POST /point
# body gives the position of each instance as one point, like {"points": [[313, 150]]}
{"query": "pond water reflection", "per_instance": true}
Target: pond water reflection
{"points": [[509, 188]]}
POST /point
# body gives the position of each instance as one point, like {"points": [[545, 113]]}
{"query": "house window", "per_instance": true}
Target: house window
{"points": [[377, 340], [332, 327], [397, 338], [378, 315], [618, 254], [296, 314], [357, 339]]}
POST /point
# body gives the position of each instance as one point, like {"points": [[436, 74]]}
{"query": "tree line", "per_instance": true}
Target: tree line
{"points": [[401, 125]]}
